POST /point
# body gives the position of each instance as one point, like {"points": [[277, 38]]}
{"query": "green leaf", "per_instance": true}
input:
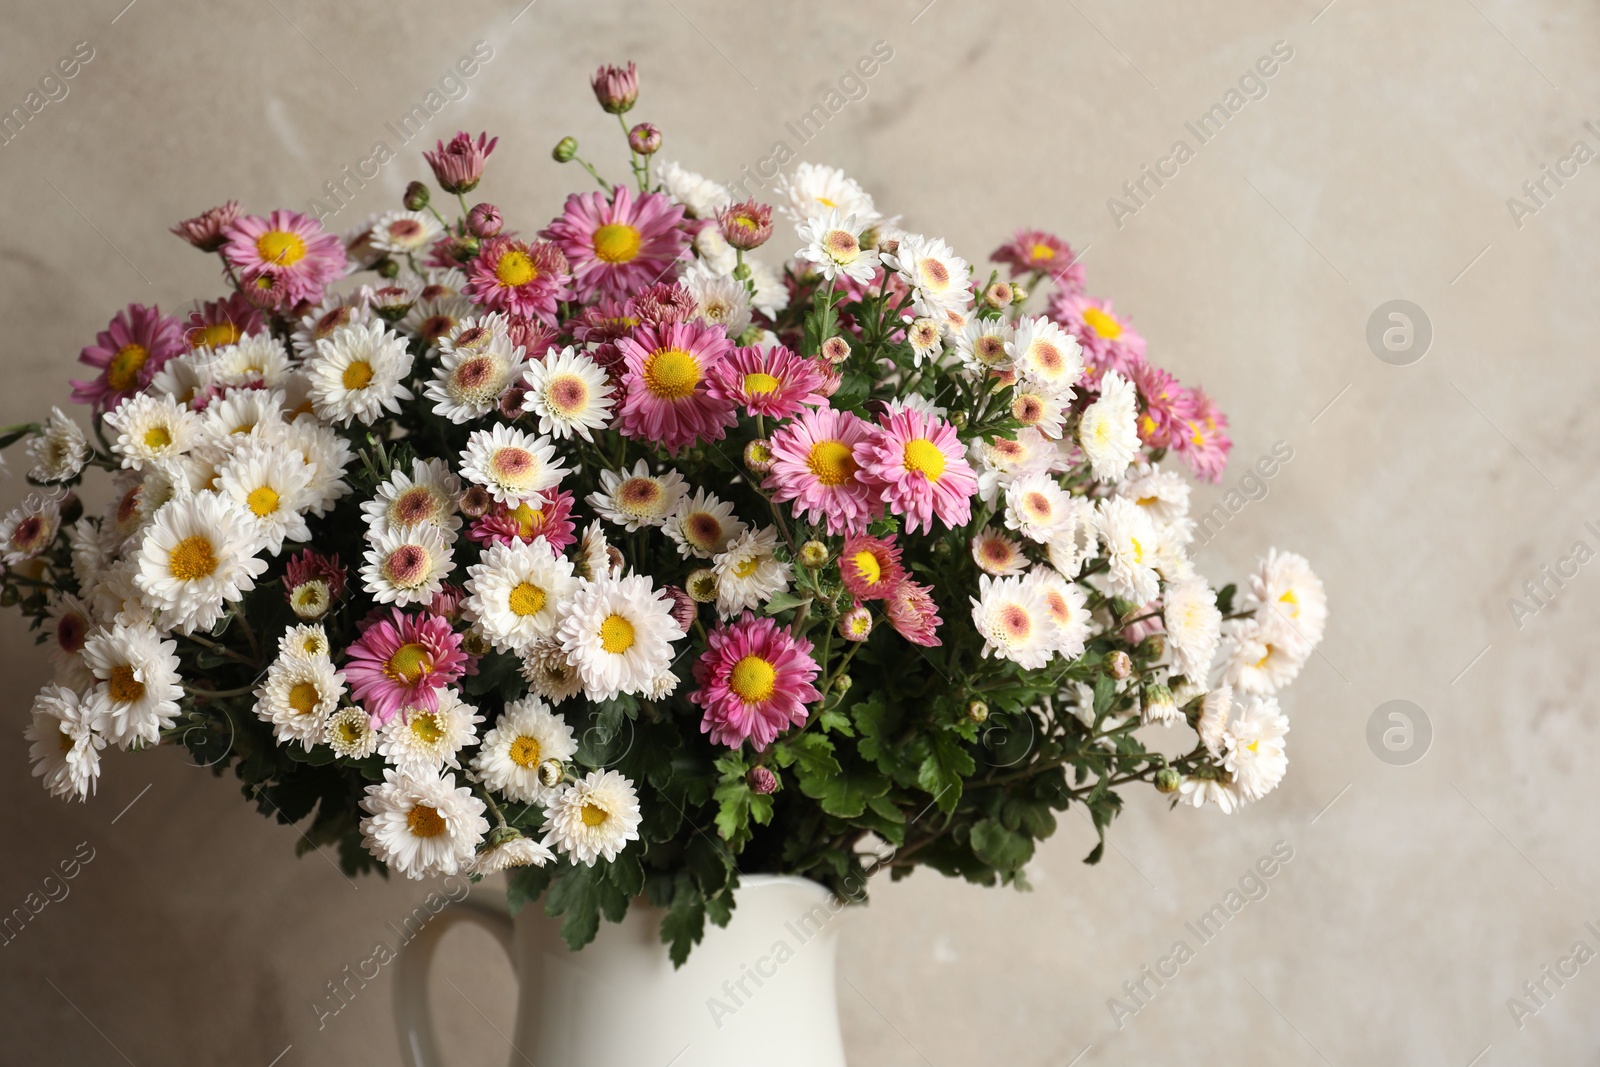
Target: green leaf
{"points": [[875, 720], [684, 924], [834, 721], [524, 885], [943, 770], [737, 807], [1225, 597], [845, 792], [582, 894], [783, 602], [1004, 850], [811, 754], [1105, 690]]}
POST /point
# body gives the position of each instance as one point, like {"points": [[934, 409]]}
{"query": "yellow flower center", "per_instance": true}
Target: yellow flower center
{"points": [[923, 456], [759, 384], [526, 599], [515, 268], [526, 518], [525, 751], [1039, 251], [1103, 324], [616, 635], [427, 728], [304, 698], [215, 335], [671, 373], [617, 242], [1262, 662], [745, 568], [866, 565], [350, 731], [157, 437], [425, 821], [123, 686], [409, 663], [753, 679], [593, 814], [192, 559], [262, 501], [122, 373], [281, 247], [358, 375], [832, 462]]}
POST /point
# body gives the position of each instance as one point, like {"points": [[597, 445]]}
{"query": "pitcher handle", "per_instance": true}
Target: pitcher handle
{"points": [[413, 1016]]}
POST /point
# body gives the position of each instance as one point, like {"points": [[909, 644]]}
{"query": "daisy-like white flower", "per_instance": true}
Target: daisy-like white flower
{"points": [[66, 747], [1032, 407], [917, 465], [1258, 659], [404, 232], [1194, 626], [814, 464], [273, 486], [151, 428], [636, 499], [477, 333], [1212, 723], [1108, 431], [1253, 747], [755, 682], [321, 321], [350, 734], [422, 824], [702, 525], [570, 393], [1000, 461], [406, 566], [326, 455], [1013, 618], [596, 558], [420, 741], [137, 685], [1037, 507], [527, 734], [29, 529], [509, 851], [297, 696], [198, 557], [997, 554], [593, 818], [1130, 540], [748, 573], [440, 308], [1288, 599], [59, 451], [1076, 541], [618, 633], [1046, 355], [1199, 790], [833, 243], [548, 673], [514, 466], [256, 362], [468, 384], [925, 337], [940, 280], [67, 628], [1165, 495], [244, 414], [812, 190], [1069, 609], [517, 592], [984, 345], [425, 497], [719, 300], [116, 597], [358, 373], [699, 195], [306, 640]]}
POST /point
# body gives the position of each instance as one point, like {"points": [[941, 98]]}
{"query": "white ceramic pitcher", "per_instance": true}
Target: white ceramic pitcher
{"points": [[760, 990]]}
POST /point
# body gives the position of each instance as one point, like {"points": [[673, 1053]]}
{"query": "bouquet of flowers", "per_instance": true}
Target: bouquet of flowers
{"points": [[618, 557]]}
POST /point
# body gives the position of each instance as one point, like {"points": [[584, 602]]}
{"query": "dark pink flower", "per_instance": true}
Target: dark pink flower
{"points": [[1206, 445], [666, 395], [402, 662], [774, 382], [519, 278], [618, 246], [222, 322], [543, 516], [1035, 250], [917, 465], [284, 258], [128, 353], [913, 614], [205, 230], [1109, 343], [308, 566], [755, 681], [458, 166]]}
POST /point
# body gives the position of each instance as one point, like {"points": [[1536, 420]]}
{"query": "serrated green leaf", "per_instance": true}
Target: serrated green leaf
{"points": [[781, 602], [944, 769], [1004, 850]]}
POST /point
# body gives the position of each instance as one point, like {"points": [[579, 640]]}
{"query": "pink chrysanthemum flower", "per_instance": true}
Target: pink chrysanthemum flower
{"points": [[222, 322], [205, 230], [663, 304], [1207, 444], [606, 321], [917, 465], [128, 353], [617, 248], [774, 382], [755, 682], [284, 258], [1109, 343], [458, 166], [1035, 250], [519, 278], [533, 336], [746, 225], [308, 566], [870, 566], [545, 515], [913, 614], [402, 662], [666, 385], [1169, 407], [814, 464]]}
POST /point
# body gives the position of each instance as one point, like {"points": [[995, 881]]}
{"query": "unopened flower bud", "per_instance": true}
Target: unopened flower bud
{"points": [[392, 303], [476, 502], [1019, 293], [311, 600], [842, 684], [758, 456], [1168, 780], [387, 268], [836, 349], [416, 197], [889, 246], [1153, 647], [813, 554], [550, 773], [762, 780], [958, 419], [701, 585], [615, 88], [511, 402], [684, 610], [1159, 705], [645, 138], [1119, 665], [742, 271], [475, 644], [565, 150], [484, 220], [977, 711], [998, 295], [746, 225], [856, 624], [71, 509]]}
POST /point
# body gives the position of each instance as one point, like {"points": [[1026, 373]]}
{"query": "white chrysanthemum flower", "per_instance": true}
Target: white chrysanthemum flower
{"points": [[60, 450], [1068, 607], [406, 566], [1037, 507], [297, 696], [1001, 461], [198, 556], [702, 525], [714, 252], [29, 529], [67, 626], [137, 685], [151, 428], [924, 335], [244, 414], [618, 633], [273, 485], [257, 361], [115, 596], [66, 747], [1108, 429], [350, 734], [510, 852], [985, 345], [517, 592], [1193, 624], [1075, 542], [438, 312], [1033, 407], [570, 393], [1258, 660], [477, 334], [184, 377], [548, 673], [719, 300], [636, 499], [596, 559], [748, 573], [1130, 543], [404, 232], [327, 455], [593, 818], [997, 554], [833, 243], [940, 280], [1013, 618], [425, 497], [699, 195], [1212, 723], [1253, 747], [1296, 606], [1165, 495], [306, 641], [813, 190], [770, 295], [526, 735], [1199, 792], [514, 466], [468, 384], [1047, 356], [419, 741], [358, 373], [321, 321], [422, 824], [663, 686], [84, 542]]}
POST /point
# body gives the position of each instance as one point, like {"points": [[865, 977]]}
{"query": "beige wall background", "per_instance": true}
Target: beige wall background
{"points": [[1376, 167]]}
